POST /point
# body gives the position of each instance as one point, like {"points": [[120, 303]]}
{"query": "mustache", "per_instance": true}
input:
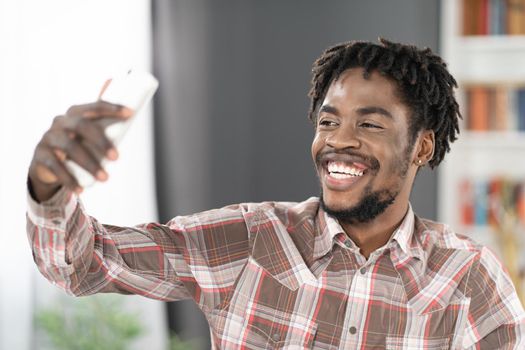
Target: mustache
{"points": [[348, 155]]}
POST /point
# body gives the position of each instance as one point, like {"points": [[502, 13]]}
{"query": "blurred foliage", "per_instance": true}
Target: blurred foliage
{"points": [[177, 344], [89, 323], [98, 322]]}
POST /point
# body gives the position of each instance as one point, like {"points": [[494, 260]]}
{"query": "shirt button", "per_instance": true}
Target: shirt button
{"points": [[348, 244], [362, 270], [352, 330], [276, 337]]}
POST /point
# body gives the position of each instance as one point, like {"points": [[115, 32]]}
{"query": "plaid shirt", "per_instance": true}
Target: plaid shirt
{"points": [[284, 275]]}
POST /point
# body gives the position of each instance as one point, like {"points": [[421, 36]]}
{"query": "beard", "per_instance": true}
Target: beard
{"points": [[369, 207], [373, 202]]}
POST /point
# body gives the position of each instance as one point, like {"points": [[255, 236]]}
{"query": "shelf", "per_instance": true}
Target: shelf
{"points": [[481, 156], [506, 140], [491, 43], [484, 156], [488, 59]]}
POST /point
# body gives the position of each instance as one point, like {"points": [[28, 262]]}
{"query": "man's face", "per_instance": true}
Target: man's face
{"points": [[361, 147]]}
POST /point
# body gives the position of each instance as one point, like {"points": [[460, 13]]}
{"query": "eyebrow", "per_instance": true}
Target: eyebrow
{"points": [[374, 110], [328, 109], [360, 111]]}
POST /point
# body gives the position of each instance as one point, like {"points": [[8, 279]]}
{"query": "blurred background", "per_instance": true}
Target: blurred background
{"points": [[229, 124]]}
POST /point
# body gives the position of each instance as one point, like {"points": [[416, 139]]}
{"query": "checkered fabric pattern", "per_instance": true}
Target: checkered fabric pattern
{"points": [[284, 275]]}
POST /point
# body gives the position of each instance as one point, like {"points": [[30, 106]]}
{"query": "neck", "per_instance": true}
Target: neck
{"points": [[372, 235]]}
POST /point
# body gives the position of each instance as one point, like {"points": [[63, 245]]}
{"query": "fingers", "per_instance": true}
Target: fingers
{"points": [[79, 119], [77, 136], [49, 169], [91, 133], [101, 109], [67, 146]]}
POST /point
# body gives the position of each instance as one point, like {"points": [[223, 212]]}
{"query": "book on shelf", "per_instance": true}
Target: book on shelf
{"points": [[495, 108], [490, 201], [501, 109], [498, 14], [478, 108], [521, 110], [520, 203], [515, 17], [493, 198], [466, 195], [480, 203], [493, 17], [475, 20]]}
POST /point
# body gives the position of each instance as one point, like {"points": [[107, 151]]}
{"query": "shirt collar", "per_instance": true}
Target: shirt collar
{"points": [[404, 236], [402, 240], [327, 228]]}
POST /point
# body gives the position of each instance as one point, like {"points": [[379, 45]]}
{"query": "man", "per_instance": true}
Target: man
{"points": [[352, 269]]}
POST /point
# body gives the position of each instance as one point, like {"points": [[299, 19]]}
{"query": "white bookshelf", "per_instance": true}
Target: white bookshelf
{"points": [[480, 155], [480, 59]]}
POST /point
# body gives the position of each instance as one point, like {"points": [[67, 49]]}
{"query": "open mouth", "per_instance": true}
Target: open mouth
{"points": [[343, 170]]}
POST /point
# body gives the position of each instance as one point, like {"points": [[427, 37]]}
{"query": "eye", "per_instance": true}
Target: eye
{"points": [[370, 125], [327, 122]]}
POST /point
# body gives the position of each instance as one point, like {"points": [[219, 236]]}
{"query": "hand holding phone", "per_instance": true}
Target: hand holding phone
{"points": [[133, 90], [73, 151]]}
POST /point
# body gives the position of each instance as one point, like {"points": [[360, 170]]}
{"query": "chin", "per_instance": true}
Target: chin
{"points": [[365, 210], [338, 201], [336, 205]]}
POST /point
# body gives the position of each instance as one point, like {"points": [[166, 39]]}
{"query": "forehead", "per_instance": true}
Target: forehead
{"points": [[351, 89]]}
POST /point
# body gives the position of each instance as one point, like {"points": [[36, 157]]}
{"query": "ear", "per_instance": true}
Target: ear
{"points": [[425, 147]]}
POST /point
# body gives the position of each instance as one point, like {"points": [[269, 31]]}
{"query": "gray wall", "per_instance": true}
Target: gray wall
{"points": [[231, 122]]}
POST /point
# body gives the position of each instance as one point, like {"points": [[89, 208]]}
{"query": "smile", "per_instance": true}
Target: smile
{"points": [[341, 170], [341, 175]]}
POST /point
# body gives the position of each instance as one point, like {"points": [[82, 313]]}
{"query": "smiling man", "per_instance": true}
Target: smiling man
{"points": [[366, 156], [354, 268]]}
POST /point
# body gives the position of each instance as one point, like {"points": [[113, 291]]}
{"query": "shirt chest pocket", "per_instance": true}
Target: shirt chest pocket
{"points": [[437, 329], [262, 313], [263, 328], [298, 333]]}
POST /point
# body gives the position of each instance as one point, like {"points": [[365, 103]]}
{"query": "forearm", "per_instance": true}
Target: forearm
{"points": [[81, 256], [60, 238]]}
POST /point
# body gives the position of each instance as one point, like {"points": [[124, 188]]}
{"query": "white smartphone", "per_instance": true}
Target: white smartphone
{"points": [[133, 90]]}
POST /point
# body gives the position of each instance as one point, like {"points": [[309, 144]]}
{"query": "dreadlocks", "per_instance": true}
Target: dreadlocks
{"points": [[422, 77]]}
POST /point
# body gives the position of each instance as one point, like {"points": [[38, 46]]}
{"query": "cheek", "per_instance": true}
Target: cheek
{"points": [[396, 166], [394, 153], [316, 145]]}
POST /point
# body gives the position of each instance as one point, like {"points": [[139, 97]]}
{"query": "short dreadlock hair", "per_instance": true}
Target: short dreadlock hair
{"points": [[424, 83]]}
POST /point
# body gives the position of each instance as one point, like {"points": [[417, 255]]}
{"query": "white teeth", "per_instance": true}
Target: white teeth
{"points": [[341, 170], [340, 176]]}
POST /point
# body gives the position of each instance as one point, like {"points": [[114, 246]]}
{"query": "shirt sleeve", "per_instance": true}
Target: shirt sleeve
{"points": [[197, 256], [496, 316]]}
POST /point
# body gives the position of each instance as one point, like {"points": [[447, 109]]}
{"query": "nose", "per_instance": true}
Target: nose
{"points": [[342, 138]]}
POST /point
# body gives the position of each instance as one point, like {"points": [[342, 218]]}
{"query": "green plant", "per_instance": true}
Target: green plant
{"points": [[90, 323], [177, 344]]}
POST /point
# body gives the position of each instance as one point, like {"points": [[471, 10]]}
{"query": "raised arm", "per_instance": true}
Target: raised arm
{"points": [[82, 256]]}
